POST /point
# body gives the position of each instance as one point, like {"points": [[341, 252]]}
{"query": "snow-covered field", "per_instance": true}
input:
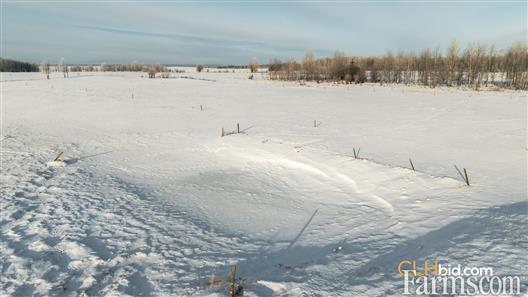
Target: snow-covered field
{"points": [[149, 200]]}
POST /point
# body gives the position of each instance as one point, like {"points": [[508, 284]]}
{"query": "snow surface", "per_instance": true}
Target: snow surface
{"points": [[149, 200]]}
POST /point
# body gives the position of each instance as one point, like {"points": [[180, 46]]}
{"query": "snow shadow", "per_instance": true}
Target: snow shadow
{"points": [[477, 240], [71, 161]]}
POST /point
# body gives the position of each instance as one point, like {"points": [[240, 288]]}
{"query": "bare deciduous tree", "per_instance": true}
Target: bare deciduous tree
{"points": [[309, 67], [253, 65], [477, 66], [46, 68], [451, 62]]}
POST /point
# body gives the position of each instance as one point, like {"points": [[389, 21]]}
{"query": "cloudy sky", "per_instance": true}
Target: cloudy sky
{"points": [[230, 32]]}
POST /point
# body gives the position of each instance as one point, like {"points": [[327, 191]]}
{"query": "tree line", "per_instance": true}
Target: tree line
{"points": [[476, 66], [7, 65]]}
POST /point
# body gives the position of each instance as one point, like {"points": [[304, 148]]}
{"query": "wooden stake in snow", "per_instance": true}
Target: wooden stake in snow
{"points": [[214, 282], [57, 159], [315, 124], [238, 128], [212, 279], [466, 175], [201, 109], [356, 154], [223, 132], [412, 165], [232, 275]]}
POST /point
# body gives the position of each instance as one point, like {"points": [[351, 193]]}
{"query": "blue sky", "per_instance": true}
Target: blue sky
{"points": [[233, 33]]}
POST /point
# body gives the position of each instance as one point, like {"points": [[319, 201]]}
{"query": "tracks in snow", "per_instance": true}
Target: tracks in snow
{"points": [[66, 230]]}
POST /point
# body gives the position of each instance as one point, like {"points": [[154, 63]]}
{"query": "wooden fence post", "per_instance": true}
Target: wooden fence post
{"points": [[232, 274], [58, 157], [463, 175], [356, 154]]}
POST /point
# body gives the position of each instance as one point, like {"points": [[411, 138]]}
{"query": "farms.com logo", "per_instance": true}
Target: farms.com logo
{"points": [[435, 278]]}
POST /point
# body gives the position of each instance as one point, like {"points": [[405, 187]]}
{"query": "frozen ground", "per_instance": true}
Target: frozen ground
{"points": [[150, 200]]}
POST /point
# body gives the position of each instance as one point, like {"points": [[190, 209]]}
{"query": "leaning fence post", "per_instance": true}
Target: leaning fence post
{"points": [[464, 176], [58, 157], [412, 165]]}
